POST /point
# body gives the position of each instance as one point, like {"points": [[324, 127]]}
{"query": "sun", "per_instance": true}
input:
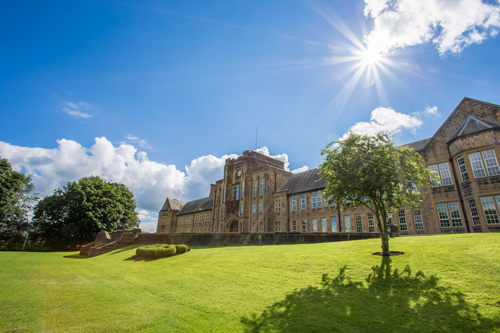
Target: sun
{"points": [[371, 57]]}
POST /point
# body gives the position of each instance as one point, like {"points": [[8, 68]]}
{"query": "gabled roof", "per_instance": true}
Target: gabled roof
{"points": [[196, 206], [304, 182], [418, 145], [472, 125], [174, 204]]}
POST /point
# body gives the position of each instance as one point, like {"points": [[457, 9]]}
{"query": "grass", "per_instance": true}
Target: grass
{"points": [[445, 283]]}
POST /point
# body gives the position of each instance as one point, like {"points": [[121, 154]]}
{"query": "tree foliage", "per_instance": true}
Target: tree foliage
{"points": [[16, 202], [75, 214], [370, 171]]}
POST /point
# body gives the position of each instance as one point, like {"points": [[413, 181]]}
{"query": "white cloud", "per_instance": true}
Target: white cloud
{"points": [[301, 169], [76, 109], [151, 182], [142, 143], [451, 25], [281, 157], [431, 110], [386, 119]]}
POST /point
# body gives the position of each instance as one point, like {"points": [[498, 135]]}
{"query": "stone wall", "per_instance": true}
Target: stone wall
{"points": [[223, 239]]}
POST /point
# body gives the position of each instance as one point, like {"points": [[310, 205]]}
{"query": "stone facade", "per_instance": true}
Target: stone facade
{"points": [[257, 195]]}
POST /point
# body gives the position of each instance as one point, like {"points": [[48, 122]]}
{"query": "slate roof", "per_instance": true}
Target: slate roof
{"points": [[196, 206], [418, 145], [304, 182], [174, 204], [473, 124]]}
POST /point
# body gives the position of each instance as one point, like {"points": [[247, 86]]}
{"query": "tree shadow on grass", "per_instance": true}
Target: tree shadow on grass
{"points": [[388, 300], [76, 256]]}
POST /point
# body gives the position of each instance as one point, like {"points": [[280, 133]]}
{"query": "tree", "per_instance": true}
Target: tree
{"points": [[16, 202], [74, 215], [370, 171]]}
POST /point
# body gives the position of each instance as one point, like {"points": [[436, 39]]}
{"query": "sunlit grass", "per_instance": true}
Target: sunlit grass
{"points": [[445, 283]]}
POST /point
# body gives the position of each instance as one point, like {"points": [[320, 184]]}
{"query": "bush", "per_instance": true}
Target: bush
{"points": [[164, 252], [181, 248], [150, 252], [38, 249], [140, 251]]}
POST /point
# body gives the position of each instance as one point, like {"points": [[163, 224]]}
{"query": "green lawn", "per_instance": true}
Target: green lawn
{"points": [[448, 283]]}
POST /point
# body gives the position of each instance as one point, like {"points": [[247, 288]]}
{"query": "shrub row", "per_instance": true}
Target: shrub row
{"points": [[27, 248], [160, 250]]}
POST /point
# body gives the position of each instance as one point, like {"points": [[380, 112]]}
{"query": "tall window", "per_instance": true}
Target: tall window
{"points": [[443, 175], [262, 186], [462, 168], [303, 201], [294, 203], [304, 226], [333, 221], [278, 205], [241, 209], [294, 225], [347, 223], [261, 206], [261, 228], [403, 226], [371, 222], [315, 225], [323, 224], [253, 227], [254, 188], [224, 197], [490, 160], [313, 200], [164, 219], [477, 165], [222, 212], [242, 190], [254, 208], [359, 224], [447, 210], [318, 198], [473, 212], [238, 192], [417, 218], [490, 210]]}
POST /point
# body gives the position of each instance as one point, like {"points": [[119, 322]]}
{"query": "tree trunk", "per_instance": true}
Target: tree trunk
{"points": [[385, 242]]}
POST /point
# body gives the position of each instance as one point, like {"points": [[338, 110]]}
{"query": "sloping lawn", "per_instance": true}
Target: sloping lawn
{"points": [[448, 283]]}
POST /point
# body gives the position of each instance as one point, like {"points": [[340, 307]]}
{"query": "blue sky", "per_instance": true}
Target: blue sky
{"points": [[156, 94]]}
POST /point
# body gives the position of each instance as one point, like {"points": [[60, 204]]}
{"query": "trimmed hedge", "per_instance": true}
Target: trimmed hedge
{"points": [[160, 250]]}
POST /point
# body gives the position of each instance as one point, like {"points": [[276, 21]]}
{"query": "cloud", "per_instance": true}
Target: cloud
{"points": [[282, 157], [76, 109], [142, 143], [386, 119], [450, 25], [151, 182], [431, 110], [301, 169]]}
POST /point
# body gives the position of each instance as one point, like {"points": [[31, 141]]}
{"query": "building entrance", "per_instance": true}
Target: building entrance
{"points": [[234, 226]]}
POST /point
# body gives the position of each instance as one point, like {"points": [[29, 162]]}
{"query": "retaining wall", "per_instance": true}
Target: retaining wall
{"points": [[223, 239]]}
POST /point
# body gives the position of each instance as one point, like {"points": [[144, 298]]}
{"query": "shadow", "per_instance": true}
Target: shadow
{"points": [[76, 256], [125, 248], [386, 301]]}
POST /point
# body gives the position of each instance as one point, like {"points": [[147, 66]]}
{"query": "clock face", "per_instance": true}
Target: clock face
{"points": [[239, 173]]}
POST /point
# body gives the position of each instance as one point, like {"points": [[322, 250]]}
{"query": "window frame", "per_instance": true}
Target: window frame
{"points": [[333, 219], [304, 225], [402, 220], [462, 168], [495, 206], [418, 220], [371, 222], [359, 222], [315, 224], [302, 201], [294, 203]]}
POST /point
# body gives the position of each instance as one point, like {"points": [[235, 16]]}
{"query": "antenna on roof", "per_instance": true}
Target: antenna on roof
{"points": [[256, 137]]}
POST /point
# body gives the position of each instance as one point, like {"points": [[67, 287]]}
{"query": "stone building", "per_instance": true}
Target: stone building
{"points": [[167, 218], [258, 195]]}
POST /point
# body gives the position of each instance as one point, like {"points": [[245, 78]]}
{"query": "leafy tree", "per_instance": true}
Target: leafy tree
{"points": [[16, 202], [75, 214], [370, 171]]}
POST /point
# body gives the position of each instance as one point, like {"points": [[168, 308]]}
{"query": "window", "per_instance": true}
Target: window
{"points": [[254, 208], [303, 201], [318, 199], [490, 210], [417, 218], [254, 188], [261, 228], [490, 160], [313, 200], [347, 223], [210, 216], [262, 187], [253, 227], [447, 210], [224, 197], [241, 209], [333, 221], [462, 168], [403, 226], [243, 171], [238, 192], [477, 165], [164, 219], [294, 225], [304, 226], [294, 203], [216, 215], [443, 175], [261, 207], [359, 224], [371, 222], [323, 224], [414, 189], [473, 212], [278, 205], [242, 189], [222, 212], [315, 225]]}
